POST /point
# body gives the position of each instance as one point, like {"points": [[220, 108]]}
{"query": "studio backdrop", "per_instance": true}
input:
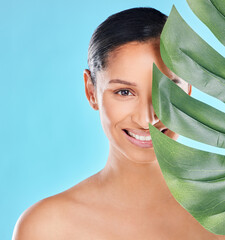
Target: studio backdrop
{"points": [[50, 137]]}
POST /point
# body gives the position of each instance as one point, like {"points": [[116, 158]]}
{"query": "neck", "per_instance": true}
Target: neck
{"points": [[133, 185]]}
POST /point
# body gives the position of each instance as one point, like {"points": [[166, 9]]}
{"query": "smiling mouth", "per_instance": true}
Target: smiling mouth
{"points": [[142, 138], [138, 137], [143, 141]]}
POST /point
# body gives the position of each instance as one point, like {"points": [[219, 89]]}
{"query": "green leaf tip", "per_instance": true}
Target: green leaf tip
{"points": [[212, 14]]}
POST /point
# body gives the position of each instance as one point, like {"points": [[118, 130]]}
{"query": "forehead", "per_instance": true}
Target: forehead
{"points": [[134, 61], [133, 57], [130, 50]]}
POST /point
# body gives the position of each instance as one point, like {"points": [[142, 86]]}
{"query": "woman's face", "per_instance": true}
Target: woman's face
{"points": [[123, 96]]}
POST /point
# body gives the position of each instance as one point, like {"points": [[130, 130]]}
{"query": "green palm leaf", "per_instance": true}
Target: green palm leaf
{"points": [[186, 115], [212, 13], [191, 58], [196, 178]]}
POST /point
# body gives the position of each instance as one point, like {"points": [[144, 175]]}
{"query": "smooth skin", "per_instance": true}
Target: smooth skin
{"points": [[128, 198]]}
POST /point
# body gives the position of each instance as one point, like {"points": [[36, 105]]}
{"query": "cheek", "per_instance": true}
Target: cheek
{"points": [[114, 112], [172, 135], [184, 87]]}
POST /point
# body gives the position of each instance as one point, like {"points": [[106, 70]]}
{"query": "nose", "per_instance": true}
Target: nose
{"points": [[145, 114]]}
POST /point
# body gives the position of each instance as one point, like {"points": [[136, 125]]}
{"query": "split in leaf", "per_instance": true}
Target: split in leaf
{"points": [[191, 58], [212, 13], [186, 115]]}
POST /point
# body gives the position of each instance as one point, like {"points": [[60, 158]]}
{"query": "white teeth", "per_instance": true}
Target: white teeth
{"points": [[142, 138]]}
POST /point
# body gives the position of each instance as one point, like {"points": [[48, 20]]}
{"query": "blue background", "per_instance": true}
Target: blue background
{"points": [[50, 138]]}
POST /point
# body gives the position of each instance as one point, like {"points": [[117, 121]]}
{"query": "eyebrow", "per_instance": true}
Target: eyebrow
{"points": [[122, 82], [176, 80]]}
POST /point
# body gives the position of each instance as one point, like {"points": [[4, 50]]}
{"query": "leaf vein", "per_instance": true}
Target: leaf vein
{"points": [[220, 79], [197, 119], [214, 5]]}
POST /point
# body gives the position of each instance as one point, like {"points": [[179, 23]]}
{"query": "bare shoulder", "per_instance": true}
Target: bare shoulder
{"points": [[39, 220], [55, 217]]}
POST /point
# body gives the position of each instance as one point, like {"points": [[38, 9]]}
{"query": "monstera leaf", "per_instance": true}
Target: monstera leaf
{"points": [[186, 115], [196, 178], [191, 58]]}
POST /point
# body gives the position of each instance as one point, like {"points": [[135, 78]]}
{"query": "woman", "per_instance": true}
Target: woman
{"points": [[128, 198]]}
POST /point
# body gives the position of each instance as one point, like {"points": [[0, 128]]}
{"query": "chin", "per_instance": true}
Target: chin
{"points": [[140, 156]]}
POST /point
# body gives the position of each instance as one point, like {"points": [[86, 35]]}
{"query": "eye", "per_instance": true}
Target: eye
{"points": [[124, 92]]}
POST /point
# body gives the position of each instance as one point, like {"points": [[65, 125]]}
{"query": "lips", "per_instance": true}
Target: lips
{"points": [[142, 133], [132, 134], [139, 142]]}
